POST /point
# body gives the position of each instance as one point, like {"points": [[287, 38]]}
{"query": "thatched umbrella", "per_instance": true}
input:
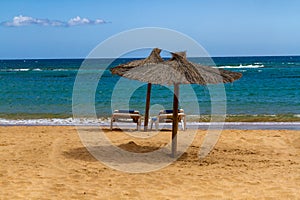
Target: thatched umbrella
{"points": [[153, 58], [178, 70]]}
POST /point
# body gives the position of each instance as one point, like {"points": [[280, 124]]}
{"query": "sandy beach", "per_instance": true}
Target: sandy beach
{"points": [[47, 162]]}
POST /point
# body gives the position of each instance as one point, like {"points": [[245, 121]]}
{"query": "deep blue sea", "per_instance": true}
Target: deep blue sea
{"points": [[42, 88]]}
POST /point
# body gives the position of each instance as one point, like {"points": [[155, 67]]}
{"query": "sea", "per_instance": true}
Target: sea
{"points": [[40, 91]]}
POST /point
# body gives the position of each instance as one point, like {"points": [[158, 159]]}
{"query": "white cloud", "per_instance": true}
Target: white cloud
{"points": [[99, 21], [26, 21], [79, 21]]}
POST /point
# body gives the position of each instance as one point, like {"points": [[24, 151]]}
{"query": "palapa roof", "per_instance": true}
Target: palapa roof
{"points": [[153, 58], [177, 70]]}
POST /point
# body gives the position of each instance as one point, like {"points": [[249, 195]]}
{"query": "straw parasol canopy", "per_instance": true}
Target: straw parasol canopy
{"points": [[175, 71], [153, 59], [178, 70]]}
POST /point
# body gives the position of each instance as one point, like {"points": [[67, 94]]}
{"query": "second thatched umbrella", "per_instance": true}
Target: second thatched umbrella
{"points": [[178, 70], [121, 70]]}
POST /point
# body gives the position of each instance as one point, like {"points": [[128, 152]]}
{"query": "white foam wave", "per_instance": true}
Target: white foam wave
{"points": [[53, 122], [60, 70], [245, 125], [190, 125], [242, 66], [18, 70], [35, 69]]}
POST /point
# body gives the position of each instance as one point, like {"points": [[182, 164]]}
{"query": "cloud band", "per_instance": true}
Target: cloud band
{"points": [[21, 20]]}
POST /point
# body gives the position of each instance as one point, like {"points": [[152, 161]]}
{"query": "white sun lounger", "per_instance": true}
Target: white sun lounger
{"points": [[166, 116], [126, 116]]}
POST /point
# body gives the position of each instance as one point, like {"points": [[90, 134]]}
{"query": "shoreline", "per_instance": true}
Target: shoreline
{"points": [[237, 122], [287, 117], [190, 125]]}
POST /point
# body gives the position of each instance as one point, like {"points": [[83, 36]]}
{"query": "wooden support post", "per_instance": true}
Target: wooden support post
{"points": [[175, 119], [147, 107]]}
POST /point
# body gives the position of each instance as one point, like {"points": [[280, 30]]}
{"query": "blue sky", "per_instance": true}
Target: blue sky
{"points": [[222, 27]]}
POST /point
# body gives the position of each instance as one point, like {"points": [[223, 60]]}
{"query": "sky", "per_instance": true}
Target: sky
{"points": [[71, 29]]}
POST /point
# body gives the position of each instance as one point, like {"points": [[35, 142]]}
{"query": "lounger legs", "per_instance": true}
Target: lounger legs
{"points": [[183, 123], [111, 124], [138, 124], [156, 125], [155, 121]]}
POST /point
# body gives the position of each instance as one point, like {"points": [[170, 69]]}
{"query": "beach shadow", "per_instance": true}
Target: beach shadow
{"points": [[125, 153], [80, 153], [115, 154], [225, 157], [135, 148], [109, 154]]}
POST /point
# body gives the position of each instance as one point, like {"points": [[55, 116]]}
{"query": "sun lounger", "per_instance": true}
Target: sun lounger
{"points": [[126, 116], [166, 116]]}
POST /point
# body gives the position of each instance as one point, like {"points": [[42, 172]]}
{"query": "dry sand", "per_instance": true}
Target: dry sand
{"points": [[51, 163]]}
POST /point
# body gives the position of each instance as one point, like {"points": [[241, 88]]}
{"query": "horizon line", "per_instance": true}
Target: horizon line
{"points": [[215, 56]]}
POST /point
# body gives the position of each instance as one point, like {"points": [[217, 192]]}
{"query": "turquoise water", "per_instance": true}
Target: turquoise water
{"points": [[270, 86]]}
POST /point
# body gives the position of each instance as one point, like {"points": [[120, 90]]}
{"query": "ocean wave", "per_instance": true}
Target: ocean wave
{"points": [[53, 122], [60, 70], [190, 125], [192, 119], [244, 123], [242, 66], [35, 69], [53, 70], [15, 70]]}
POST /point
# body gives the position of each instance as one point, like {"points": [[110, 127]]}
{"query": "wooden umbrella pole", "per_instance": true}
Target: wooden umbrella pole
{"points": [[147, 107], [175, 119]]}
